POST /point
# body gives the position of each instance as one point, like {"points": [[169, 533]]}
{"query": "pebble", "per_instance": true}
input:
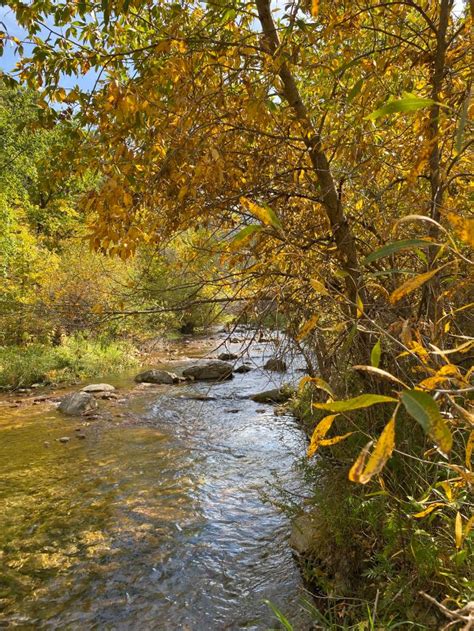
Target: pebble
{"points": [[64, 439]]}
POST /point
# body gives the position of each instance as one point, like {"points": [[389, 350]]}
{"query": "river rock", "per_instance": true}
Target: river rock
{"points": [[157, 376], [64, 439], [275, 364], [77, 403], [277, 395], [303, 529], [243, 368], [98, 387], [213, 370], [227, 356]]}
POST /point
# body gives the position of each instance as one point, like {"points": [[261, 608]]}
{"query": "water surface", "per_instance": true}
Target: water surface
{"points": [[156, 520]]}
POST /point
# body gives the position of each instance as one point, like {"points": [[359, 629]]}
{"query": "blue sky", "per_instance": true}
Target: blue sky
{"points": [[9, 59]]}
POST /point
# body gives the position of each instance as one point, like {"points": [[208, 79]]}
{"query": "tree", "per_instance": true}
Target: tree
{"points": [[324, 148]]}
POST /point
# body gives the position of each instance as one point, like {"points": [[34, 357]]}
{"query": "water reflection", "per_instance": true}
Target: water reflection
{"points": [[155, 524]]}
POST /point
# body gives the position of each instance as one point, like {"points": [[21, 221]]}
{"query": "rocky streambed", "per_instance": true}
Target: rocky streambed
{"points": [[147, 509]]}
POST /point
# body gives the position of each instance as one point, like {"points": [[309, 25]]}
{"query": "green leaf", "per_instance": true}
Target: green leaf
{"points": [[280, 617], [396, 246], [354, 91], [423, 408], [105, 10], [375, 354], [462, 124], [409, 103], [244, 233], [356, 403]]}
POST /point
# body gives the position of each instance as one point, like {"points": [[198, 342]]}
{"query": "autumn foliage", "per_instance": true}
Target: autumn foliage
{"points": [[323, 151]]}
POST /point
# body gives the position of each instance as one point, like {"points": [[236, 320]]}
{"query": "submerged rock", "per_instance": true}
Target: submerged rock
{"points": [[277, 395], [77, 403], [213, 370], [64, 439], [278, 365], [157, 376], [227, 356], [98, 387], [197, 397]]}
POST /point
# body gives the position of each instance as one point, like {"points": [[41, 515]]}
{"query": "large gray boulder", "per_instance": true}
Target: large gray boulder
{"points": [[156, 376], [211, 370], [98, 387], [277, 395], [276, 364], [77, 403]]}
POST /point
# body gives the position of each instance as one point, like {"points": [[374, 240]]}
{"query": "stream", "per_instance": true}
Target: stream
{"points": [[157, 518]]}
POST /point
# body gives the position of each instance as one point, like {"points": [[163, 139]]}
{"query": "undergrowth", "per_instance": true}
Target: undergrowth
{"points": [[371, 545], [76, 358]]}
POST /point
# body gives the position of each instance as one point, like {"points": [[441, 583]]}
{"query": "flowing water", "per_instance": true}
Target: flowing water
{"points": [[157, 519]]}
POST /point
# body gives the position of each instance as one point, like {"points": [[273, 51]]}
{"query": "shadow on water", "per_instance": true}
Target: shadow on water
{"points": [[155, 524]]}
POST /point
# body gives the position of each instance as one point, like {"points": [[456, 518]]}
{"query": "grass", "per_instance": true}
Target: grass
{"points": [[77, 358]]}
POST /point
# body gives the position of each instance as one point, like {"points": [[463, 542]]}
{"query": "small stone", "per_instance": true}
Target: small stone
{"points": [[157, 377], [243, 368], [98, 387], [81, 436], [277, 395], [227, 356], [64, 439], [260, 411]]}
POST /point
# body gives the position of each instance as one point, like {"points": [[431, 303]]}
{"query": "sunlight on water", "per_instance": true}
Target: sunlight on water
{"points": [[155, 521]]}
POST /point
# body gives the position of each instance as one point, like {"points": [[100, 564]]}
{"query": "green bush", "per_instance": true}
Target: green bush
{"points": [[77, 358]]}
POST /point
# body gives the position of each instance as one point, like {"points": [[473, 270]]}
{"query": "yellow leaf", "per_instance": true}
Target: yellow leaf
{"points": [[333, 441], [458, 530], [464, 228], [412, 284], [266, 215], [380, 373], [307, 327], [361, 472], [360, 306], [314, 8], [429, 509], [319, 433], [447, 489], [318, 382], [468, 527], [469, 448], [319, 287]]}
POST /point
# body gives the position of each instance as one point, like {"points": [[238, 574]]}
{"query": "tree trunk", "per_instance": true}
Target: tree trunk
{"points": [[341, 230]]}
